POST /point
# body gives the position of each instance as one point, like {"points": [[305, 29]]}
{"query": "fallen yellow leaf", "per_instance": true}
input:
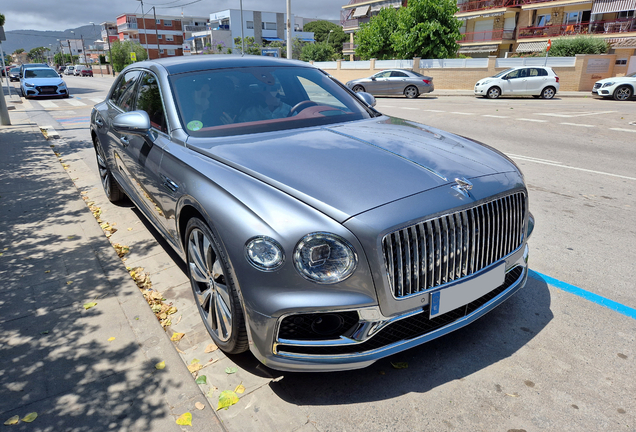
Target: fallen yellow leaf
{"points": [[112, 338], [47, 271], [195, 367], [30, 417], [87, 306], [177, 336], [199, 406], [185, 419], [13, 420], [210, 348], [240, 389], [160, 365], [69, 282], [227, 398], [400, 365]]}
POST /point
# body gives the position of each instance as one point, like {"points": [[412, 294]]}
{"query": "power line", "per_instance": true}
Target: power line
{"points": [[178, 6]]}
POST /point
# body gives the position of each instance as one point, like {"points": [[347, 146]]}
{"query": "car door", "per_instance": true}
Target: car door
{"points": [[513, 83], [378, 83], [396, 83], [535, 81]]}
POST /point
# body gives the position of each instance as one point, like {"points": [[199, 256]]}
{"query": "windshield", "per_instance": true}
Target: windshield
{"points": [[500, 74], [40, 73], [260, 99], [631, 75]]}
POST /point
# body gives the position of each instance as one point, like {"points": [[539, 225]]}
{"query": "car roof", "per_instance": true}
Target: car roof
{"points": [[33, 65], [176, 65]]}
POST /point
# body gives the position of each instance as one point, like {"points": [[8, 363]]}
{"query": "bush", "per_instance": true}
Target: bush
{"points": [[317, 52], [569, 47]]}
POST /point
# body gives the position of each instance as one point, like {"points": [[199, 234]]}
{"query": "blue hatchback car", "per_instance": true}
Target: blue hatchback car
{"points": [[42, 82]]}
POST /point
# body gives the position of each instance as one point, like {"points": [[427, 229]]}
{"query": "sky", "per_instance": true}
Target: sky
{"points": [[67, 14]]}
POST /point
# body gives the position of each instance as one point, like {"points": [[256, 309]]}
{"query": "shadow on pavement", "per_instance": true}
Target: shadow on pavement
{"points": [[55, 357], [496, 336]]}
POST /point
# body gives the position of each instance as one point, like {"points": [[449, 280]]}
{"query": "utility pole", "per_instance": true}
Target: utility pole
{"points": [[83, 49], [242, 32], [70, 51], [154, 13], [144, 28], [289, 38], [99, 57]]}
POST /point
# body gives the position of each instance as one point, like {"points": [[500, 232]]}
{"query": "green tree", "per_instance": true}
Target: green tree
{"points": [[327, 31], [38, 54], [121, 53], [1, 20], [373, 40], [297, 47], [251, 47], [18, 51], [569, 47], [317, 52], [424, 28]]}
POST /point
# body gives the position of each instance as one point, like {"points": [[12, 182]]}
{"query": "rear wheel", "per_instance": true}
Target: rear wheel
{"points": [[623, 93], [216, 297], [494, 92], [358, 88], [548, 93], [111, 187], [411, 92]]}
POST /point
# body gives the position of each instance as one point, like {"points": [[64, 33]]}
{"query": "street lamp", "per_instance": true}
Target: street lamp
{"points": [[329, 35]]}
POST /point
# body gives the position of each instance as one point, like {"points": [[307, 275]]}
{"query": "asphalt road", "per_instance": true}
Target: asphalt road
{"points": [[545, 360]]}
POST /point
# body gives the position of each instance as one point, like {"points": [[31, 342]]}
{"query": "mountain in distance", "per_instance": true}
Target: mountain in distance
{"points": [[29, 39]]}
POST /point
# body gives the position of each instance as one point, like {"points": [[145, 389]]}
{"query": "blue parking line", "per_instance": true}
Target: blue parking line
{"points": [[590, 296]]}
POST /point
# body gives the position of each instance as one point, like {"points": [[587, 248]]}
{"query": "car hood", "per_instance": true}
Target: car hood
{"points": [[617, 80], [44, 81], [346, 169]]}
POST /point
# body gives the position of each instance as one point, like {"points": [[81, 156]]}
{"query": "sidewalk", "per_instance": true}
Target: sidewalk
{"points": [[78, 369], [561, 94]]}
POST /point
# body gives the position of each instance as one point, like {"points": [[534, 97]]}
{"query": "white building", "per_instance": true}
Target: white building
{"points": [[264, 27]]}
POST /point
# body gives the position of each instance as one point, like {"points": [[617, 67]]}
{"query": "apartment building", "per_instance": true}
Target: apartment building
{"points": [[264, 27], [503, 27], [161, 36]]}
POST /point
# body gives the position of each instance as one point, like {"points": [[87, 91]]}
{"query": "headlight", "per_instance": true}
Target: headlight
{"points": [[325, 258], [264, 253], [608, 84], [485, 82], [29, 85]]}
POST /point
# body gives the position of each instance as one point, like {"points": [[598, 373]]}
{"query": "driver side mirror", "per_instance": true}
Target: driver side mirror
{"points": [[373, 78], [367, 98], [133, 123]]}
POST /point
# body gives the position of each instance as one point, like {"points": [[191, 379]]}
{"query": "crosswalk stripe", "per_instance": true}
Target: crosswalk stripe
{"points": [[623, 130], [74, 102], [47, 104], [96, 100]]}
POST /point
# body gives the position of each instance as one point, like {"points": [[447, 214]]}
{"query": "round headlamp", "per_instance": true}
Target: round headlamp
{"points": [[264, 253], [325, 258]]}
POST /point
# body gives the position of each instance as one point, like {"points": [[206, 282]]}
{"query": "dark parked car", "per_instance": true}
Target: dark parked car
{"points": [[86, 72], [14, 74], [317, 232], [394, 82]]}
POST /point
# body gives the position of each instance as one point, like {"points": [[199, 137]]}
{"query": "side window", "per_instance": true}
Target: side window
{"points": [[398, 74], [533, 72], [149, 100], [523, 73], [514, 74], [383, 74], [543, 72], [124, 92]]}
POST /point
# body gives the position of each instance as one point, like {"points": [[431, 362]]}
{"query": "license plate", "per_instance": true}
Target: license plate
{"points": [[460, 294]]}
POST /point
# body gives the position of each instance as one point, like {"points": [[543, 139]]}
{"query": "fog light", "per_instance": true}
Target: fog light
{"points": [[327, 324]]}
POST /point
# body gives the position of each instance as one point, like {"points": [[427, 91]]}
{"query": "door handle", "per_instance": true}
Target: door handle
{"points": [[125, 141]]}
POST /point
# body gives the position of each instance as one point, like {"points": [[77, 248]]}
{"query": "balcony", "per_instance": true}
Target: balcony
{"points": [[486, 36], [193, 28], [477, 5], [126, 27], [596, 27]]}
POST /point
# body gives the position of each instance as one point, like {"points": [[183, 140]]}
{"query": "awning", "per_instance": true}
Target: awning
{"points": [[557, 3], [532, 46], [307, 40], [361, 11], [478, 49], [393, 4], [609, 6], [491, 15], [273, 39]]}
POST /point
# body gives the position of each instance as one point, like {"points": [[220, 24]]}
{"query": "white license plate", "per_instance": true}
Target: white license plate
{"points": [[460, 294]]}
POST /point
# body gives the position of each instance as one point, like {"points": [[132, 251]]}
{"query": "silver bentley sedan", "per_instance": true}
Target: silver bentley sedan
{"points": [[318, 233], [394, 82]]}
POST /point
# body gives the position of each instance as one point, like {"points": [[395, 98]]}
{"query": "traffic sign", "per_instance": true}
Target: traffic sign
{"points": [[133, 56], [549, 45]]}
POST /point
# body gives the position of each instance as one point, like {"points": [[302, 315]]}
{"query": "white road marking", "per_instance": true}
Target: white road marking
{"points": [[623, 130], [557, 164], [532, 120], [533, 158], [26, 104], [462, 113], [48, 104], [409, 108], [579, 114], [434, 110], [75, 102], [494, 116], [578, 124]]}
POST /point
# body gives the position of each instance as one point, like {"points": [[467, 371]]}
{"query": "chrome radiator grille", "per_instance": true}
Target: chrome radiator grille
{"points": [[437, 251]]}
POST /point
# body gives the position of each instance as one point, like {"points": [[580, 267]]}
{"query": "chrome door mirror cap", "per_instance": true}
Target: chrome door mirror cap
{"points": [[367, 98], [133, 122]]}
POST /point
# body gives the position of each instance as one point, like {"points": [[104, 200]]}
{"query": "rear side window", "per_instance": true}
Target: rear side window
{"points": [[123, 95], [149, 100], [397, 74]]}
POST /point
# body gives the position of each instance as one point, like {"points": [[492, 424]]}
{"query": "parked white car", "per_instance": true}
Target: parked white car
{"points": [[79, 68], [620, 88], [69, 70], [537, 81]]}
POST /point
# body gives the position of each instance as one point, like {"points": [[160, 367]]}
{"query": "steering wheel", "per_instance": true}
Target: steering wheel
{"points": [[301, 106]]}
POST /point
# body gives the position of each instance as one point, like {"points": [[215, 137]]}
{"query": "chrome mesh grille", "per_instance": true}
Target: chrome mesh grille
{"points": [[441, 250]]}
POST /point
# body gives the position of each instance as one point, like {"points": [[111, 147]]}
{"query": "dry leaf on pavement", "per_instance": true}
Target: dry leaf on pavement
{"points": [[210, 348], [160, 365], [30, 417], [177, 336], [185, 419], [87, 306], [199, 406], [227, 398], [13, 420]]}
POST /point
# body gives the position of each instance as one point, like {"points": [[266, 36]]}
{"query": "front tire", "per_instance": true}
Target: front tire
{"points": [[411, 92], [623, 93], [358, 88], [493, 92], [548, 93], [111, 187], [213, 288]]}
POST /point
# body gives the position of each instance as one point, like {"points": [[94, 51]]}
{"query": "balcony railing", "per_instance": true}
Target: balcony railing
{"points": [[348, 46], [193, 28], [476, 5], [485, 36], [126, 26], [596, 27]]}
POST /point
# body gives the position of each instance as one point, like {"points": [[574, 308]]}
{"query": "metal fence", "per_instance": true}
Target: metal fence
{"points": [[453, 63], [535, 61], [450, 63]]}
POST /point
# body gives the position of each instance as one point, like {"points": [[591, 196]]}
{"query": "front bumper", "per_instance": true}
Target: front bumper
{"points": [[374, 336], [44, 91], [480, 90]]}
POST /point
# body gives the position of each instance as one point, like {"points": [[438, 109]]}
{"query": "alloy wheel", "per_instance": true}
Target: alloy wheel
{"points": [[358, 88], [623, 93], [548, 93], [411, 92], [494, 92]]}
